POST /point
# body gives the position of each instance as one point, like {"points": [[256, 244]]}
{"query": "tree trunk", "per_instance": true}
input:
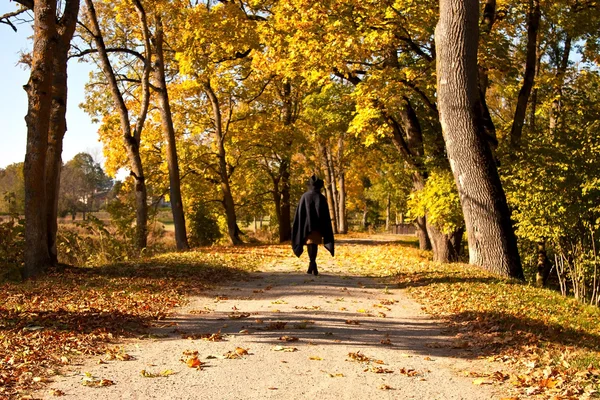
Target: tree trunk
{"points": [[492, 242], [334, 192], [169, 135], [343, 227], [533, 23], [228, 203], [444, 245], [543, 265], [388, 212], [58, 122], [131, 140], [39, 94], [285, 222], [328, 190]]}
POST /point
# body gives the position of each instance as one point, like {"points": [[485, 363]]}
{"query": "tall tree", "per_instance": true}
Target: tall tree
{"points": [[169, 134], [131, 140], [39, 94], [492, 242], [58, 121]]}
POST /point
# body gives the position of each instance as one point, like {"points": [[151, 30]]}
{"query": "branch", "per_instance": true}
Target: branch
{"points": [[83, 53], [5, 19]]}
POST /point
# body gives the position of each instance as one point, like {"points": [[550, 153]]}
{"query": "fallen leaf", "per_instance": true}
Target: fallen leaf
{"points": [[482, 381], [315, 358], [286, 349], [288, 339]]}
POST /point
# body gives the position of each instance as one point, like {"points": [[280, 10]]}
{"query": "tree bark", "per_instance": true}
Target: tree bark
{"points": [[169, 135], [492, 242], [228, 203], [445, 246], [39, 94], [533, 23], [343, 227], [288, 116], [58, 122], [388, 212], [334, 191], [285, 222], [543, 265], [328, 187], [131, 140]]}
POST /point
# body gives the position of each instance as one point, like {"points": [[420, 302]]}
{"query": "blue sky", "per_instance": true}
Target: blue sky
{"points": [[81, 135]]}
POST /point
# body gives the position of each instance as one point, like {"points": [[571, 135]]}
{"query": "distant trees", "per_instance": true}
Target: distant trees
{"points": [[83, 179], [12, 189]]}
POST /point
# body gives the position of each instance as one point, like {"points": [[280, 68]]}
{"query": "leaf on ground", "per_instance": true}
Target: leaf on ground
{"points": [[239, 352], [482, 381], [408, 372], [89, 380], [378, 370], [315, 358], [385, 387], [275, 326], [358, 356], [235, 315], [288, 339], [352, 322], [165, 373], [286, 349], [194, 362], [57, 392], [279, 301]]}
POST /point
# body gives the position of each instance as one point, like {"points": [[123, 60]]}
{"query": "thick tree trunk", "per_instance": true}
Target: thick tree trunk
{"points": [[445, 247], [39, 94], [130, 140], [533, 23], [169, 135], [228, 203], [492, 242], [285, 222], [58, 122]]}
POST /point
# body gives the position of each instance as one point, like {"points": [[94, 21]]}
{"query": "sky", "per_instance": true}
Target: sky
{"points": [[81, 135]]}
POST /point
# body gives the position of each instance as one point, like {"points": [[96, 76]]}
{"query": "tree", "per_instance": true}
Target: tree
{"points": [[492, 243], [12, 189], [39, 94], [82, 179], [131, 138]]}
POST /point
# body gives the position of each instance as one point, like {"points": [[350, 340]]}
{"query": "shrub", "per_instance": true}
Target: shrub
{"points": [[203, 226], [11, 248]]}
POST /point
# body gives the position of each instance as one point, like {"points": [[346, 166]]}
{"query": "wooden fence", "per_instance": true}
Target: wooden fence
{"points": [[402, 229]]}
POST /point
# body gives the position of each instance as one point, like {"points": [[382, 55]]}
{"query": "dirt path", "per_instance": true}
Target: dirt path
{"points": [[336, 317]]}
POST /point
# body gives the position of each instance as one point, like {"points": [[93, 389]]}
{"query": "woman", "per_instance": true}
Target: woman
{"points": [[312, 224]]}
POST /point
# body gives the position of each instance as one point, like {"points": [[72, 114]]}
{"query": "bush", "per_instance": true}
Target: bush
{"points": [[203, 226], [11, 248], [91, 243]]}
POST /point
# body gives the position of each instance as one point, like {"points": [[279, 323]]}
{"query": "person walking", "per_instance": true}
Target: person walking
{"points": [[312, 224]]}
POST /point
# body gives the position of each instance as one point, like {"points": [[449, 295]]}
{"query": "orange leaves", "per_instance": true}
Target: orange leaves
{"points": [[239, 352], [90, 380], [191, 359], [288, 339]]}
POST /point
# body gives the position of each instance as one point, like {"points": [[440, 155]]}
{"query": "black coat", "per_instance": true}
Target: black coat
{"points": [[312, 214]]}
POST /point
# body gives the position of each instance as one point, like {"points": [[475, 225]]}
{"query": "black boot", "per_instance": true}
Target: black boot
{"points": [[312, 254]]}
